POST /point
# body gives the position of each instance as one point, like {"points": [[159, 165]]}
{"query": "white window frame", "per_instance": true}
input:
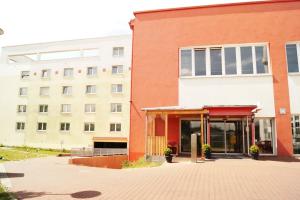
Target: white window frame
{"points": [[294, 128], [48, 73], [68, 75], [65, 108], [94, 71], [88, 108], [115, 106], [68, 89], [20, 108], [91, 92], [26, 76], [22, 126], [238, 60], [89, 125], [23, 91], [116, 88], [115, 127], [65, 125], [118, 69], [297, 43], [44, 88], [118, 51], [43, 106], [44, 126]]}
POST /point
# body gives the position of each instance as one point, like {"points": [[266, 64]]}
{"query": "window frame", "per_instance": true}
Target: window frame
{"points": [[116, 92], [94, 70], [25, 77], [118, 71], [44, 127], [294, 129], [63, 89], [68, 110], [48, 73], [65, 123], [90, 108], [297, 43], [89, 125], [68, 76], [90, 93], [26, 91], [43, 106], [23, 106], [238, 60], [22, 126], [115, 127], [118, 55], [116, 107]]}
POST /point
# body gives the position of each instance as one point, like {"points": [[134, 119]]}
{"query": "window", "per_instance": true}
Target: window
{"points": [[42, 126], [118, 69], [20, 126], [23, 91], [224, 60], [116, 88], [292, 57], [43, 108], [21, 108], [200, 62], [247, 60], [264, 129], [65, 126], [44, 91], [261, 59], [67, 90], [90, 89], [65, 108], [115, 127], [296, 133], [118, 51], [89, 127], [24, 74], [186, 62], [90, 108], [68, 72], [230, 60], [92, 71], [45, 73], [116, 107], [215, 61]]}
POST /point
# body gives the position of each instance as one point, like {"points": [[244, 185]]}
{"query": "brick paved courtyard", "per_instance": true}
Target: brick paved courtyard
{"points": [[53, 178]]}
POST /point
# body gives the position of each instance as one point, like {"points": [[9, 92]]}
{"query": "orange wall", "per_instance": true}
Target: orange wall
{"points": [[157, 37], [114, 162]]}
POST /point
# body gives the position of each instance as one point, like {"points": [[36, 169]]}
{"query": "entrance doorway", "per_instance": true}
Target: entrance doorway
{"points": [[229, 137], [188, 127]]}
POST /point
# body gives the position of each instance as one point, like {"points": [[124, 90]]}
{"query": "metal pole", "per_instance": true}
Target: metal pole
{"points": [[243, 136], [247, 130]]}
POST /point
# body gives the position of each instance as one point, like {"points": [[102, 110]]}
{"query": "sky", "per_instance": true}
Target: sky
{"points": [[35, 21]]}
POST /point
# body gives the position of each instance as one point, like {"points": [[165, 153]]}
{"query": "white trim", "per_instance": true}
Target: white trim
{"points": [[254, 60]]}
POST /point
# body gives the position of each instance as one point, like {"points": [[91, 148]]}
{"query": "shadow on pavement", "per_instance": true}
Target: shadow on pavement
{"points": [[279, 159], [77, 195], [11, 175]]}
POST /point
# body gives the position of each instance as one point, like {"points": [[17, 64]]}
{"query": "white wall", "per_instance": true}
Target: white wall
{"points": [[229, 90]]}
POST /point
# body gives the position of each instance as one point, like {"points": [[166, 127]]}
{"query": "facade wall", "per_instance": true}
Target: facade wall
{"points": [[158, 36], [76, 137]]}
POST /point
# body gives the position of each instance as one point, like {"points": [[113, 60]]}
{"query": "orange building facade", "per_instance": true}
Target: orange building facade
{"points": [[226, 72]]}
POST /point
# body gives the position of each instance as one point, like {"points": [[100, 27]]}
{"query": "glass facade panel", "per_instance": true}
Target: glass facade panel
{"points": [[186, 63], [296, 133], [292, 58], [200, 62], [189, 127], [264, 135], [215, 61], [261, 59], [230, 60], [247, 60]]}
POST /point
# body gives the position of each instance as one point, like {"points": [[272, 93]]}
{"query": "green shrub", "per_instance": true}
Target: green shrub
{"points": [[254, 149], [167, 151], [206, 148]]}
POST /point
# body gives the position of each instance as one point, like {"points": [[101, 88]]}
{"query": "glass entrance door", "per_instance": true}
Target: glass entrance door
{"points": [[189, 127], [227, 137]]}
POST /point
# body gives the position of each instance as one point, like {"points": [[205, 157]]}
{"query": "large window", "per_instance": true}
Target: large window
{"points": [[118, 51], [293, 56], [224, 60], [117, 69], [91, 71], [90, 89], [296, 133], [23, 91], [116, 107], [90, 108], [65, 108], [89, 127], [21, 108], [65, 126], [20, 126], [116, 88], [68, 72], [67, 90], [43, 108], [264, 135], [45, 73], [42, 126], [115, 127]]}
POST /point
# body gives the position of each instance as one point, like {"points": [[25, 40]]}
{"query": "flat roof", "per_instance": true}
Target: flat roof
{"points": [[179, 108], [214, 5]]}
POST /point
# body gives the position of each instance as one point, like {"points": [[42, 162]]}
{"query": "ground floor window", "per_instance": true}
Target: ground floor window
{"points": [[264, 134], [110, 145], [295, 122]]}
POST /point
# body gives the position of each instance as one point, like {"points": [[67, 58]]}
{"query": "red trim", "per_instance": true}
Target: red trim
{"points": [[231, 111]]}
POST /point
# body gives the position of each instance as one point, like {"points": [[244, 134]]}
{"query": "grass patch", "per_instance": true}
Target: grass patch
{"points": [[4, 195], [24, 152], [141, 162]]}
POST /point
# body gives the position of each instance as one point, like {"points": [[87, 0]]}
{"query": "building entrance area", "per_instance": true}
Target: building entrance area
{"points": [[188, 127], [229, 137]]}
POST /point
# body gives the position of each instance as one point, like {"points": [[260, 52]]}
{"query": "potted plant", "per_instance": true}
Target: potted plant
{"points": [[254, 151], [168, 155], [206, 149]]}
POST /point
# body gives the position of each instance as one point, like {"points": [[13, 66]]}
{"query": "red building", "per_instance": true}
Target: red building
{"points": [[228, 72]]}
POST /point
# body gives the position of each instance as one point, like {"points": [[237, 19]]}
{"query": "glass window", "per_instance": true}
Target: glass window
{"points": [[115, 127], [68, 72], [23, 91], [67, 90], [292, 58], [89, 127], [90, 108], [230, 60], [92, 71], [116, 88], [261, 59], [43, 108], [42, 126], [264, 135], [90, 89], [65, 108], [200, 62], [65, 126], [118, 51], [116, 107], [118, 69], [215, 61], [24, 74], [247, 60], [21, 108], [295, 122], [44, 91], [186, 62], [20, 126], [45, 73]]}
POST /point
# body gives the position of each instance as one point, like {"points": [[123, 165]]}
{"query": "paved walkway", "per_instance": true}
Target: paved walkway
{"points": [[52, 178]]}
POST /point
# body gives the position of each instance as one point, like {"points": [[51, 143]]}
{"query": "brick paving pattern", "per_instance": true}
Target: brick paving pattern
{"points": [[53, 178]]}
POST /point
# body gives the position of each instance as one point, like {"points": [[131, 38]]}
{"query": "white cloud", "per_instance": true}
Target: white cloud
{"points": [[33, 21]]}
